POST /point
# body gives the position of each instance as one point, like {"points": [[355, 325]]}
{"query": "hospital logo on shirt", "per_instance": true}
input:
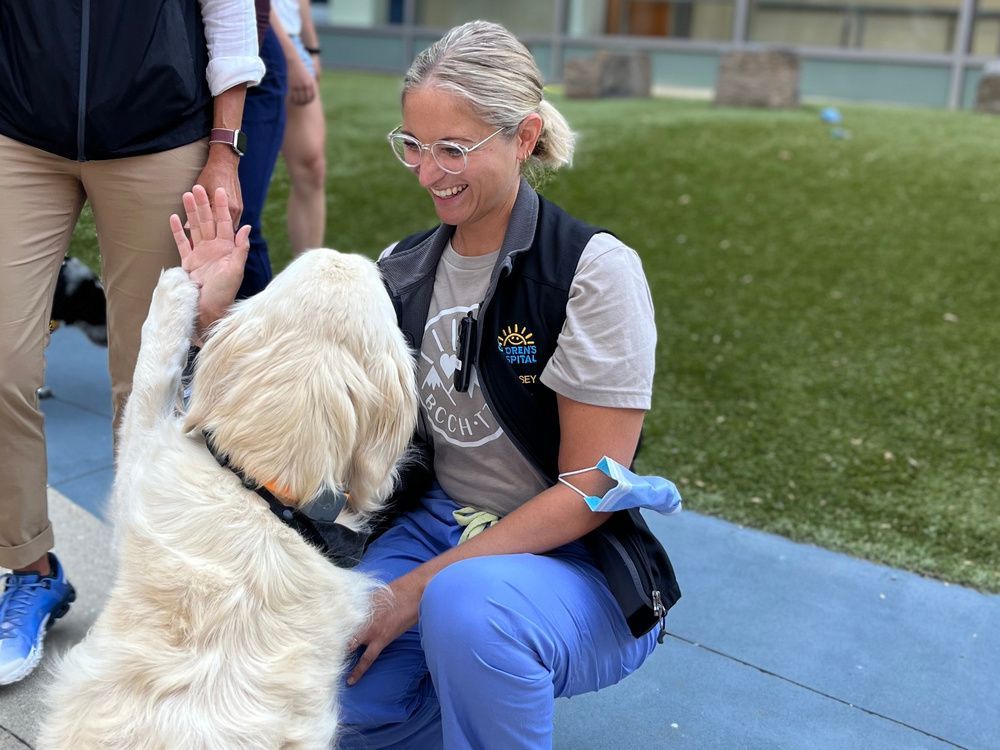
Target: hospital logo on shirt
{"points": [[517, 344]]}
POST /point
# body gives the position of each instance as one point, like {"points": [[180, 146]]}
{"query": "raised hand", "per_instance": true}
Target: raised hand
{"points": [[214, 255]]}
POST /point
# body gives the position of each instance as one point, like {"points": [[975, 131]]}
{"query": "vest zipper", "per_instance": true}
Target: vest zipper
{"points": [[81, 115], [656, 602], [505, 269], [634, 573], [661, 612]]}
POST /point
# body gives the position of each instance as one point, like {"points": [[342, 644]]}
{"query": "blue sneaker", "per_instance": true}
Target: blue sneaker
{"points": [[29, 604]]}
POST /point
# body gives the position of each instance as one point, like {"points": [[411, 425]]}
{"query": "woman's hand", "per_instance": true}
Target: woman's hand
{"points": [[214, 256], [301, 84], [394, 611], [221, 170]]}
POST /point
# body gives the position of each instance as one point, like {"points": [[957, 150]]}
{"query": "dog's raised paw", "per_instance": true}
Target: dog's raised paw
{"points": [[175, 292], [172, 309], [174, 278]]}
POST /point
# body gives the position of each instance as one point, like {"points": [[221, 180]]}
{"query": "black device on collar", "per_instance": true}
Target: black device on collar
{"points": [[316, 524]]}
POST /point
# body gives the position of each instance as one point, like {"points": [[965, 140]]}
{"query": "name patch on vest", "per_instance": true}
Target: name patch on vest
{"points": [[517, 344]]}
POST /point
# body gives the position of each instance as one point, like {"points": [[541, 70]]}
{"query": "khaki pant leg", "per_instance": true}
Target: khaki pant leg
{"points": [[40, 202], [132, 200]]}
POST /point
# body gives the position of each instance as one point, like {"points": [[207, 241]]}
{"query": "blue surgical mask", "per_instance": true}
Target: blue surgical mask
{"points": [[630, 491]]}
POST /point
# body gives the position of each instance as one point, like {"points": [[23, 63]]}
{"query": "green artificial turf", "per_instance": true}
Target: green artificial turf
{"points": [[827, 306]]}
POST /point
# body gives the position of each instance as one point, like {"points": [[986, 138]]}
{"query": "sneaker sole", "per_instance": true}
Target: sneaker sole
{"points": [[35, 655], [63, 608]]}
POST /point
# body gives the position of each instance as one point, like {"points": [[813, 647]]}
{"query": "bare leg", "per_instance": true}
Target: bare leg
{"points": [[304, 150]]}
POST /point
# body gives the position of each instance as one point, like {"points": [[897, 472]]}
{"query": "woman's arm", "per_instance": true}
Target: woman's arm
{"points": [[301, 85], [552, 518], [233, 63]]}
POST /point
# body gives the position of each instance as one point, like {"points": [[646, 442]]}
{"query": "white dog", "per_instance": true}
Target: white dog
{"points": [[224, 628]]}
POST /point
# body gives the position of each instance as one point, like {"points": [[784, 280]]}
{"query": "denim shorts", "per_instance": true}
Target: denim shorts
{"points": [[303, 54]]}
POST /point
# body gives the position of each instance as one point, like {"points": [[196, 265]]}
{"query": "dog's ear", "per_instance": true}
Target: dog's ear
{"points": [[310, 383], [386, 426]]}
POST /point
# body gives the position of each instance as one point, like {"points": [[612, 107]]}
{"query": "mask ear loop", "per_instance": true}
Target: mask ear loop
{"points": [[573, 487]]}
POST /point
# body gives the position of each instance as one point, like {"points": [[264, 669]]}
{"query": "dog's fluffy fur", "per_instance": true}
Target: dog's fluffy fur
{"points": [[224, 629]]}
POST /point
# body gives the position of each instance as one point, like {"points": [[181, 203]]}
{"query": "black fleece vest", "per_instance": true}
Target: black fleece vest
{"points": [[104, 79], [518, 329], [520, 321]]}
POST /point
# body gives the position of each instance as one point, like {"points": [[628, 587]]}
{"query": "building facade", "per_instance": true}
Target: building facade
{"points": [[919, 52]]}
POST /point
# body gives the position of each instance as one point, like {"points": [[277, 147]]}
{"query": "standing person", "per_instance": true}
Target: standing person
{"points": [[536, 345], [264, 125], [304, 146], [147, 102]]}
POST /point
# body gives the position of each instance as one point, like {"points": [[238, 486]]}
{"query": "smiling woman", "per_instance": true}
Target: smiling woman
{"points": [[504, 589]]}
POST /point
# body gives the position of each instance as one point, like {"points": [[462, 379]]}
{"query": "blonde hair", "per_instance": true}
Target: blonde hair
{"points": [[486, 65]]}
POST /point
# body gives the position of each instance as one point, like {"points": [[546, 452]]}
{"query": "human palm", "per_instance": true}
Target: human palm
{"points": [[214, 255]]}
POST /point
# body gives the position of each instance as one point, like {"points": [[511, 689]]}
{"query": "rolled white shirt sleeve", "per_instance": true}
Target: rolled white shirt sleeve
{"points": [[231, 34], [606, 352]]}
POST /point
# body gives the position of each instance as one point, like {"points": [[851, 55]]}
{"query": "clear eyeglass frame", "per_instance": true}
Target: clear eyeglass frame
{"points": [[446, 154]]}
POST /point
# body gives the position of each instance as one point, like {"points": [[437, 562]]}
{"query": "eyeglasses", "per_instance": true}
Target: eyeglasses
{"points": [[452, 157]]}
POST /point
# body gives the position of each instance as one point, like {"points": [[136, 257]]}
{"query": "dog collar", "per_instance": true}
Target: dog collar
{"points": [[321, 515]]}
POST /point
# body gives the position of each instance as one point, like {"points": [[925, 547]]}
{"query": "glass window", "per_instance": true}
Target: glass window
{"points": [[675, 19], [520, 16], [358, 12], [986, 32], [918, 26]]}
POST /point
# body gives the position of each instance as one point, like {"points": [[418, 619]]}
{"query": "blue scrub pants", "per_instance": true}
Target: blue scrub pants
{"points": [[498, 640], [264, 125]]}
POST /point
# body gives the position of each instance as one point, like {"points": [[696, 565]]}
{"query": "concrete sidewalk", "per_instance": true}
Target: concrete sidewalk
{"points": [[774, 644]]}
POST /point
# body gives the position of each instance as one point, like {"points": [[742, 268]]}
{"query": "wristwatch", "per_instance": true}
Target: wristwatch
{"points": [[235, 139]]}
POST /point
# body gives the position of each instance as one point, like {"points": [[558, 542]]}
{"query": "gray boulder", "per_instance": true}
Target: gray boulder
{"points": [[608, 74], [988, 92], [758, 78]]}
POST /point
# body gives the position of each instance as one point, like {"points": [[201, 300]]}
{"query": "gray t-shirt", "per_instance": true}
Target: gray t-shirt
{"points": [[604, 356]]}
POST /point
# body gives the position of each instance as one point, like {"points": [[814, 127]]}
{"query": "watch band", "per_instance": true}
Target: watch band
{"points": [[235, 139]]}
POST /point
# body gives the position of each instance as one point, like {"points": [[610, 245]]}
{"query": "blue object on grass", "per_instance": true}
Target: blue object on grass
{"points": [[831, 115]]}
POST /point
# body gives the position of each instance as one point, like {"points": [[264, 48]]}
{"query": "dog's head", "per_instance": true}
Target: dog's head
{"points": [[310, 384]]}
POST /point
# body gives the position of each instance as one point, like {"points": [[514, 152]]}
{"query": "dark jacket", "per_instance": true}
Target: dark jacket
{"points": [[529, 287], [101, 79]]}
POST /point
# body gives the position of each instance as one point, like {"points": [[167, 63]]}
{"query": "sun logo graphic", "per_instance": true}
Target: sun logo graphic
{"points": [[517, 344]]}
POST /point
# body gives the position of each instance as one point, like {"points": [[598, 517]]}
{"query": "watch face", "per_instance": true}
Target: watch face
{"points": [[241, 142]]}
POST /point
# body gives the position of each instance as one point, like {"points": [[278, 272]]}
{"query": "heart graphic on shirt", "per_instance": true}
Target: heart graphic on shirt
{"points": [[449, 363]]}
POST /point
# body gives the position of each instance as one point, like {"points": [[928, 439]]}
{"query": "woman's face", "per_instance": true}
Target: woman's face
{"points": [[488, 186]]}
